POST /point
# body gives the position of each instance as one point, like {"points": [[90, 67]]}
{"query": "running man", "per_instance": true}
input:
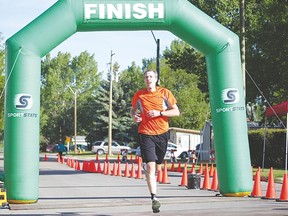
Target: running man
{"points": [[151, 108]]}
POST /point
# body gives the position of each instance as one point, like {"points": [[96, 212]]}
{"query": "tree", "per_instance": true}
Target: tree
{"points": [[267, 49], [191, 101], [2, 84], [62, 77], [87, 80], [266, 46], [182, 56], [98, 121], [121, 122], [131, 80]]}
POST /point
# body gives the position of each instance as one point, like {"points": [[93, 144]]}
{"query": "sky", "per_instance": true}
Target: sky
{"points": [[127, 46]]}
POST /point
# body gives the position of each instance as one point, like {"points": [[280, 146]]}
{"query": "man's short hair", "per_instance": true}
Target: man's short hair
{"points": [[155, 72]]}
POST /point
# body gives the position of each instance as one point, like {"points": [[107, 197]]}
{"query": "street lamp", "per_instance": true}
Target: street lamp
{"points": [[75, 118]]}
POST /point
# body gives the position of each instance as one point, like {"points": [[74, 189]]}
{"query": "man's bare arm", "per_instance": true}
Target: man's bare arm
{"points": [[174, 111], [135, 116]]}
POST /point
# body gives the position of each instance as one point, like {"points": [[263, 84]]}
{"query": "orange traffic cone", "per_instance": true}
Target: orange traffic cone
{"points": [[184, 179], [99, 170], [118, 158], [45, 158], [257, 190], [132, 172], [92, 167], [105, 168], [271, 192], [206, 168], [159, 175], [172, 169], [72, 164], [179, 167], [139, 171], [284, 190], [58, 159], [106, 157], [126, 171], [97, 157], [78, 166], [214, 185], [211, 172], [85, 166], [165, 179], [206, 182], [75, 164], [108, 169], [200, 171], [193, 169], [68, 162], [114, 171], [119, 171]]}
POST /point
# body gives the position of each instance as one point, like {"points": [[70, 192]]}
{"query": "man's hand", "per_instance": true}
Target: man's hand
{"points": [[153, 113], [137, 118]]}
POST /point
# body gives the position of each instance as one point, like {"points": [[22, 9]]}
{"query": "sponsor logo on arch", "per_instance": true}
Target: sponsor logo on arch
{"points": [[22, 102], [230, 96]]}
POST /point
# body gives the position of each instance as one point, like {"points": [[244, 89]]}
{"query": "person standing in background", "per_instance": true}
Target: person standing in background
{"points": [[61, 148]]}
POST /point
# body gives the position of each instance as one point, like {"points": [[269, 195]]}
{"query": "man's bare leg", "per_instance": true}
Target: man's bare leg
{"points": [[152, 184]]}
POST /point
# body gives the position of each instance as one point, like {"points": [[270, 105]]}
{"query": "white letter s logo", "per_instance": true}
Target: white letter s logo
{"points": [[23, 101], [230, 96]]}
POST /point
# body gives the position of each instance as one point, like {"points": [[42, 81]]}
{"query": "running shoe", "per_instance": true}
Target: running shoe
{"points": [[156, 205]]}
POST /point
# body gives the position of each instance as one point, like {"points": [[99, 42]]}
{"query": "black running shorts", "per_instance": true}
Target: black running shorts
{"points": [[153, 147]]}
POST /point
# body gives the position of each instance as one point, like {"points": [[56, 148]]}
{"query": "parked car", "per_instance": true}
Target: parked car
{"points": [[51, 148], [79, 147], [101, 147], [177, 150]]}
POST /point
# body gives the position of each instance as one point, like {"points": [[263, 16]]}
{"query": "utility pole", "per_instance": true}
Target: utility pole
{"points": [[158, 61], [75, 118], [110, 107], [242, 42], [157, 57]]}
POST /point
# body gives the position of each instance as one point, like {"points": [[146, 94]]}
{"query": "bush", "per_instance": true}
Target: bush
{"points": [[275, 147]]}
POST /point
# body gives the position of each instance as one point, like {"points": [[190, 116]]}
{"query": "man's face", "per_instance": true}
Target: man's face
{"points": [[150, 79]]}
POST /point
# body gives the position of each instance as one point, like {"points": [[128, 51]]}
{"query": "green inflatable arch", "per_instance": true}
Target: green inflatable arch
{"points": [[25, 49]]}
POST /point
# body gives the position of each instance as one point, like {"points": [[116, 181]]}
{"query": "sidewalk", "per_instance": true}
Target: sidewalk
{"points": [[66, 191]]}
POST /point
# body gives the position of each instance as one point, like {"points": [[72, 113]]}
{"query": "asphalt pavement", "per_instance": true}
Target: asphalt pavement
{"points": [[65, 190]]}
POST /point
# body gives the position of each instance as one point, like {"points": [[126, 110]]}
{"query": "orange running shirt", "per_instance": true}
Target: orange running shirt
{"points": [[160, 100]]}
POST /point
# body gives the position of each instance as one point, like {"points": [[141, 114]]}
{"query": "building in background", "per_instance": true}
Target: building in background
{"points": [[201, 141], [185, 138]]}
